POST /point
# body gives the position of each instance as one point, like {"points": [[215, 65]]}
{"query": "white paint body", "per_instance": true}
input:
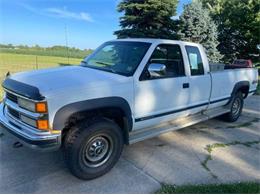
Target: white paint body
{"points": [[65, 85]]}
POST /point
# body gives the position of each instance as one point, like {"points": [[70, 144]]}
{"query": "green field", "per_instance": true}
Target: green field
{"points": [[17, 62], [10, 62]]}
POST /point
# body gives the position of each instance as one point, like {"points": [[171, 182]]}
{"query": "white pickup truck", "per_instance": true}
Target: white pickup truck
{"points": [[128, 90]]}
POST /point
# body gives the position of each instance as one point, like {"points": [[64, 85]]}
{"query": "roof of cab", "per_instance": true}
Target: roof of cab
{"points": [[153, 40]]}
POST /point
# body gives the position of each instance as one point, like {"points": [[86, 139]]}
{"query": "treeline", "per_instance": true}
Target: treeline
{"points": [[59, 51], [228, 29]]}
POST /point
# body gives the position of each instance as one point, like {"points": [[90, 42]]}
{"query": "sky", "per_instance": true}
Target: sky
{"points": [[87, 23]]}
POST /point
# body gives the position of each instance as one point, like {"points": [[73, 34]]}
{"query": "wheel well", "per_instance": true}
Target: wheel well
{"points": [[244, 90], [112, 113], [241, 86]]}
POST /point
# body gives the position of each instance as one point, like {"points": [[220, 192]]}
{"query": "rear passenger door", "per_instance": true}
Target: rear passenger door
{"points": [[157, 98], [199, 79]]}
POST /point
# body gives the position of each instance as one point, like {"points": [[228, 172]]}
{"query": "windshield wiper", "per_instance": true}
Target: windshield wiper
{"points": [[110, 69], [103, 63], [83, 62]]}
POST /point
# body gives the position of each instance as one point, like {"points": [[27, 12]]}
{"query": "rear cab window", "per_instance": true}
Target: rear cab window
{"points": [[195, 60]]}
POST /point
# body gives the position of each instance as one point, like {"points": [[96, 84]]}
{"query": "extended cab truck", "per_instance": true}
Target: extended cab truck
{"points": [[126, 91]]}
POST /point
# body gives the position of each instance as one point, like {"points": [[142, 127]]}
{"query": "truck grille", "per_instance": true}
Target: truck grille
{"points": [[19, 114], [14, 113], [11, 97]]}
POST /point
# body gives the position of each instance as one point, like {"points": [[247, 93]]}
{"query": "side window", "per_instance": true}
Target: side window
{"points": [[159, 55], [195, 60], [175, 65], [171, 57]]}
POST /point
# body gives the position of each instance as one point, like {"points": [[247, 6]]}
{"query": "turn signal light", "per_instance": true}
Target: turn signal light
{"points": [[43, 124], [41, 107]]}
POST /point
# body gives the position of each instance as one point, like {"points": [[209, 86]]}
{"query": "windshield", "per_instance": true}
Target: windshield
{"points": [[121, 57]]}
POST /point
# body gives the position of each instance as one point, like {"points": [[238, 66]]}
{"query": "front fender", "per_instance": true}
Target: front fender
{"points": [[63, 114]]}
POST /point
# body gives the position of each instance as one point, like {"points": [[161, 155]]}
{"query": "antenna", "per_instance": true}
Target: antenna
{"points": [[66, 39]]}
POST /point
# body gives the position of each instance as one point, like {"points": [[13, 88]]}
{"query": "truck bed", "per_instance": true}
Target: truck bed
{"points": [[220, 67], [224, 80]]}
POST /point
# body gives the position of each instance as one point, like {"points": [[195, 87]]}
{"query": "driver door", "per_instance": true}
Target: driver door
{"points": [[160, 98]]}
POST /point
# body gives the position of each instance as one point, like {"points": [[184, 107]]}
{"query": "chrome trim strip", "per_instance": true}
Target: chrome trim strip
{"points": [[23, 96], [20, 122], [21, 110]]}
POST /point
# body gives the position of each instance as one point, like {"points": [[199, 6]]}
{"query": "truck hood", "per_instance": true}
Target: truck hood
{"points": [[67, 79]]}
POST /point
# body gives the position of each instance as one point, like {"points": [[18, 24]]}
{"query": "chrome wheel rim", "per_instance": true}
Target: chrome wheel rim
{"points": [[236, 106], [97, 151]]}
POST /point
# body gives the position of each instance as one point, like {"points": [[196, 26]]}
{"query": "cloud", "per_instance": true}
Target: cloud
{"points": [[63, 13], [59, 13], [29, 8]]}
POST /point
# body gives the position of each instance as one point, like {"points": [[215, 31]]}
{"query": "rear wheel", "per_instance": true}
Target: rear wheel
{"points": [[236, 106], [92, 148]]}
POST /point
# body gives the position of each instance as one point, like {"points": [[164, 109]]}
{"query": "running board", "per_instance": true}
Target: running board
{"points": [[176, 124]]}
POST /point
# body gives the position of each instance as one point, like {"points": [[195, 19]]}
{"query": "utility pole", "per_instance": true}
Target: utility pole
{"points": [[36, 60], [66, 39]]}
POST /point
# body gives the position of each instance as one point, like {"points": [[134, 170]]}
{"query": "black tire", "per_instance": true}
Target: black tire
{"points": [[236, 106], [86, 142]]}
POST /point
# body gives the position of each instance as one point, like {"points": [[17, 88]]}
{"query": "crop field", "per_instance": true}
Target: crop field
{"points": [[17, 62]]}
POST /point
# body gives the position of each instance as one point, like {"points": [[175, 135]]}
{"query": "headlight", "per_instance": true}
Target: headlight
{"points": [[28, 120], [40, 107], [26, 104], [39, 124]]}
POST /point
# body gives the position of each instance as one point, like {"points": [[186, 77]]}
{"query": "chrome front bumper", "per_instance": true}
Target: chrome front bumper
{"points": [[29, 136]]}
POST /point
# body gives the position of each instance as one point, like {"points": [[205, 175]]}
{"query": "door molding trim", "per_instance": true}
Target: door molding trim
{"points": [[179, 110]]}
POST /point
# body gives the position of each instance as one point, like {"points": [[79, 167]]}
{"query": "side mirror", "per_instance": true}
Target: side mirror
{"points": [[157, 70]]}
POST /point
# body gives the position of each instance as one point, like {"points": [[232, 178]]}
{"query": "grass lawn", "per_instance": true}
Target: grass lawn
{"points": [[238, 188], [18, 62]]}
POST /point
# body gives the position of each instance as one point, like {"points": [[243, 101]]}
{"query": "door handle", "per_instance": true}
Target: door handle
{"points": [[185, 85]]}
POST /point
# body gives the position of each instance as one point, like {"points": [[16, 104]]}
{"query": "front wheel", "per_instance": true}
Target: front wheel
{"points": [[91, 150], [236, 106]]}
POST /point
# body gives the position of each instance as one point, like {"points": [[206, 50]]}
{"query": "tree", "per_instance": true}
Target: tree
{"points": [[238, 24], [147, 18], [196, 25]]}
